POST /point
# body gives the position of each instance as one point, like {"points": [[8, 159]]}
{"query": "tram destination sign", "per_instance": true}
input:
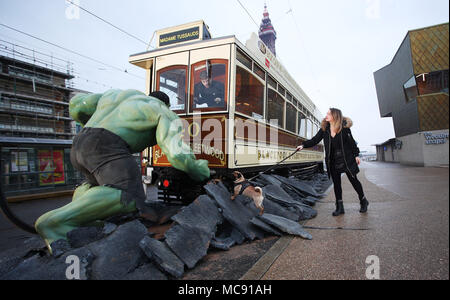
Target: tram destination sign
{"points": [[179, 36]]}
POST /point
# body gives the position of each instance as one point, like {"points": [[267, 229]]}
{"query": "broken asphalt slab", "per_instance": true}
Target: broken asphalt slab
{"points": [[235, 212], [286, 225]]}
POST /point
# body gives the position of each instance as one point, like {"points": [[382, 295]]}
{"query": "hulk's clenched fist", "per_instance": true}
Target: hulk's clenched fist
{"points": [[116, 125]]}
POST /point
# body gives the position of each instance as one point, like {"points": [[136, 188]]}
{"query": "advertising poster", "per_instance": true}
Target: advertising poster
{"points": [[53, 166], [19, 161]]}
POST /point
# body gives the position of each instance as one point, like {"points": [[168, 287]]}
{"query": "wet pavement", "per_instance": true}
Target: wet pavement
{"points": [[407, 228]]}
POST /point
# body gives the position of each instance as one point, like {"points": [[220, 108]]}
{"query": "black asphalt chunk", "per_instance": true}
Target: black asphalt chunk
{"points": [[203, 214], [118, 254], [273, 208], [146, 272], [285, 225], [269, 179], [9, 259], [60, 247], [264, 226], [83, 236], [234, 211], [159, 212], [162, 256], [300, 185], [189, 244], [223, 243], [40, 267], [279, 195]]}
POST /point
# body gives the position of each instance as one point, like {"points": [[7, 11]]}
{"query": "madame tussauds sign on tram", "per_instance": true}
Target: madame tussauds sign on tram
{"points": [[179, 36]]}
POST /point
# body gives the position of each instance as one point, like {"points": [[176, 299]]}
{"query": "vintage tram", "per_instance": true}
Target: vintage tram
{"points": [[241, 109]]}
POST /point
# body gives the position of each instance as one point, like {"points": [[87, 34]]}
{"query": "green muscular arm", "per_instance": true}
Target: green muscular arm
{"points": [[180, 155], [83, 106]]}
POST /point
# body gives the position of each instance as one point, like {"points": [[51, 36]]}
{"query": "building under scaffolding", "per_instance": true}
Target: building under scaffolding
{"points": [[36, 130]]}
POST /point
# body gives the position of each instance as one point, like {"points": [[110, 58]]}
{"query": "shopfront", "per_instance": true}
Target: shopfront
{"points": [[31, 166]]}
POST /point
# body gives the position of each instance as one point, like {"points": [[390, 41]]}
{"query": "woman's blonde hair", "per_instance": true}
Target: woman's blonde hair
{"points": [[338, 118]]}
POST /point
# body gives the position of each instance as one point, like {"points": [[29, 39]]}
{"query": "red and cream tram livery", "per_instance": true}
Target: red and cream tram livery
{"points": [[239, 106]]}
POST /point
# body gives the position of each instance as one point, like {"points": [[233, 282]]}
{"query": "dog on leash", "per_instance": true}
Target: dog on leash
{"points": [[243, 187]]}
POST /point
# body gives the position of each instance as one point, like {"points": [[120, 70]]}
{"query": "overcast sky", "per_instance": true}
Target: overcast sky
{"points": [[332, 48]]}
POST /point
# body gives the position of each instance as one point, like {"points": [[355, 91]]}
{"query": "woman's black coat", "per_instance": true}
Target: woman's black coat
{"points": [[351, 150]]}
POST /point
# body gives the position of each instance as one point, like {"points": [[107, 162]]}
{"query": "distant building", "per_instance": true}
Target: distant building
{"points": [[267, 32], [36, 130], [413, 91]]}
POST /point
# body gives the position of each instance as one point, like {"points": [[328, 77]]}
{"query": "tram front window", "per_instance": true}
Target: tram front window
{"points": [[172, 81], [209, 86]]}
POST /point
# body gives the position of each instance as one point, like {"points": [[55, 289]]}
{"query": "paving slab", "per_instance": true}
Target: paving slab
{"points": [[286, 225], [189, 244], [235, 212], [162, 256], [118, 254]]}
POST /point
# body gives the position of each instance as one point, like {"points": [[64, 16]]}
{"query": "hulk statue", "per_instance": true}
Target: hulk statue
{"points": [[116, 125]]}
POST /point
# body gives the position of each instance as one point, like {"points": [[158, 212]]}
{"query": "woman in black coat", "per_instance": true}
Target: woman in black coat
{"points": [[342, 156]]}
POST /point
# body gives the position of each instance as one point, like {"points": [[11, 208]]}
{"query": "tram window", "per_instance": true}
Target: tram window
{"points": [[209, 85], [172, 81], [309, 129], [241, 57], [281, 90], [275, 107], [301, 124], [249, 94], [291, 117], [260, 72], [271, 82]]}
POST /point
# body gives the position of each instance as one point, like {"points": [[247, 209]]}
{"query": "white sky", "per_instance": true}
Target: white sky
{"points": [[330, 47]]}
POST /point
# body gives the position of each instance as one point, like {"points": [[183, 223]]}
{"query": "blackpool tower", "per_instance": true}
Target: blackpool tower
{"points": [[267, 33]]}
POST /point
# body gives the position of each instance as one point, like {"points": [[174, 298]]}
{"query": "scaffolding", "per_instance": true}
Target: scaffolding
{"points": [[36, 130], [35, 90]]}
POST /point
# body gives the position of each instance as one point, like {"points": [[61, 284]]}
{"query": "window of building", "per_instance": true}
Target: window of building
{"points": [[281, 90], [316, 129], [271, 82], [301, 124], [288, 96], [410, 88], [172, 81], [243, 59], [209, 83], [309, 129], [249, 94], [260, 72], [434, 82], [275, 107], [291, 117], [28, 74]]}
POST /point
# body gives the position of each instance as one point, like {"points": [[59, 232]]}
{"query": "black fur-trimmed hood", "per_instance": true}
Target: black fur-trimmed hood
{"points": [[347, 123]]}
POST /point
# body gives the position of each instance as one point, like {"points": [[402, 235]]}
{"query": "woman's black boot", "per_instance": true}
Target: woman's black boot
{"points": [[364, 204], [339, 208]]}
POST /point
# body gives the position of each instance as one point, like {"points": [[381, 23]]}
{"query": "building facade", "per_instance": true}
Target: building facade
{"points": [[36, 130], [413, 91]]}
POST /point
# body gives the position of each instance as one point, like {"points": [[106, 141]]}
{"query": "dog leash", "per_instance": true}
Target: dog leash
{"points": [[272, 167]]}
